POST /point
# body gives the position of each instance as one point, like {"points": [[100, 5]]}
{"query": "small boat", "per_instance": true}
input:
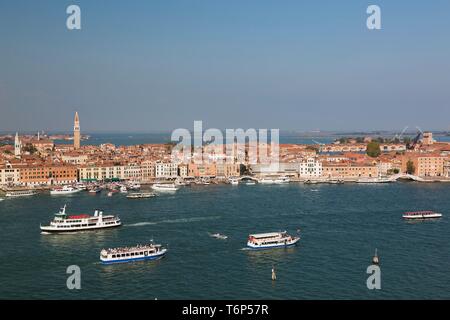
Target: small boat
{"points": [[336, 181], [375, 259], [1, 199], [134, 186], [271, 240], [282, 180], [267, 181], [219, 236], [110, 194], [64, 190], [140, 195], [421, 215], [129, 254], [63, 222], [250, 183], [123, 189], [165, 187], [95, 190], [20, 193], [234, 182], [81, 186]]}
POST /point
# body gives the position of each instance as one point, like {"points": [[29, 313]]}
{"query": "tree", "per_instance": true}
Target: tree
{"points": [[410, 168], [373, 149], [29, 148]]}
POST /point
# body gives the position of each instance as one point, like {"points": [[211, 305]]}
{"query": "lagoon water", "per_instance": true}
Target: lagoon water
{"points": [[341, 225]]}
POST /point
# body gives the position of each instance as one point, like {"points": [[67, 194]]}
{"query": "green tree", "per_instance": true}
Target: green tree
{"points": [[373, 149], [410, 168], [29, 148]]}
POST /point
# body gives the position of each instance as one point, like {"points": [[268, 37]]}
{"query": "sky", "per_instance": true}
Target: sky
{"points": [[155, 65]]}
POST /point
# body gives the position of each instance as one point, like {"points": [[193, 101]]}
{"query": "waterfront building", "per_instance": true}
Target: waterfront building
{"points": [[290, 169], [76, 132], [425, 164], [9, 175], [132, 171], [228, 170], [166, 170], [147, 171], [47, 174], [183, 170], [349, 170], [101, 172], [202, 170], [384, 166], [310, 167]]}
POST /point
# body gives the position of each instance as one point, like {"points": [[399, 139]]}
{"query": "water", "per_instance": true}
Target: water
{"points": [[128, 139], [341, 225]]}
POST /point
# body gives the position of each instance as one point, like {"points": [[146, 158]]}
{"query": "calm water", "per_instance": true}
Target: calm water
{"points": [[341, 227]]}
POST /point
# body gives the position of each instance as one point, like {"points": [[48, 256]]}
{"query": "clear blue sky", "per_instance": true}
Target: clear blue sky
{"points": [[161, 64]]}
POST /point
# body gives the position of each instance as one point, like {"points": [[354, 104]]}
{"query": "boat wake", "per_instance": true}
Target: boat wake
{"points": [[140, 224], [182, 220]]}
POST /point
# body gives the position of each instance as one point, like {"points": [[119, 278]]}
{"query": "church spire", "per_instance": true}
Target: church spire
{"points": [[76, 132]]}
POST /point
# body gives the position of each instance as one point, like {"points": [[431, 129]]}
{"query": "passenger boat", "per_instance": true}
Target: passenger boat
{"points": [[20, 193], [165, 187], [421, 215], [129, 254], [271, 240], [140, 195], [62, 222], [64, 190]]}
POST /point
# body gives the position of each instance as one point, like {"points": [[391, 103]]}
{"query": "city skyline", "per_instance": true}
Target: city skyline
{"points": [[300, 66]]}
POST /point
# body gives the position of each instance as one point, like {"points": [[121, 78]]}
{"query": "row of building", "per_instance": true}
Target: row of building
{"points": [[344, 166]]}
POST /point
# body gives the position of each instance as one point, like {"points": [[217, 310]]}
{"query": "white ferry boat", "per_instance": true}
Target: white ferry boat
{"points": [[64, 190], [62, 222], [271, 240], [165, 187], [140, 195], [129, 254], [421, 215], [20, 193], [277, 180]]}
